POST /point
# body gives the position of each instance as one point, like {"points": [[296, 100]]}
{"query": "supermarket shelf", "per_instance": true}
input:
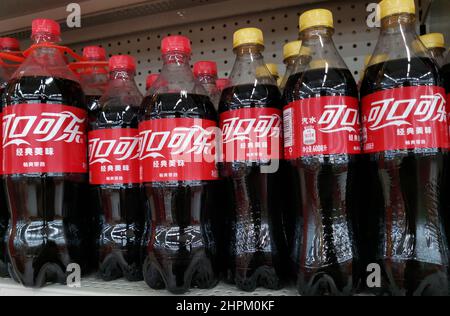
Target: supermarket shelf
{"points": [[95, 287]]}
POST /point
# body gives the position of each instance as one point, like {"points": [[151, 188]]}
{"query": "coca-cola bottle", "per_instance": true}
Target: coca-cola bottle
{"points": [[291, 51], [45, 164], [274, 72], [7, 45], [405, 142], [94, 79], [222, 83], [250, 119], [322, 144], [206, 73], [435, 43], [178, 168], [150, 82], [114, 174]]}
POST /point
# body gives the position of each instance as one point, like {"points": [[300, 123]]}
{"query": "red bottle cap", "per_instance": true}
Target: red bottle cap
{"points": [[205, 68], [9, 43], [122, 62], [177, 43], [46, 26], [151, 79], [222, 84], [94, 53]]}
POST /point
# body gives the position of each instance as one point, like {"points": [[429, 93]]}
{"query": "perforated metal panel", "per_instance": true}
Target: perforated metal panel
{"points": [[213, 40]]}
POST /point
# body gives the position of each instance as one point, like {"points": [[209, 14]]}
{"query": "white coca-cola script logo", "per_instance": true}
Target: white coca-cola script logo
{"points": [[247, 129], [338, 118], [180, 141], [392, 112], [103, 151], [46, 127]]}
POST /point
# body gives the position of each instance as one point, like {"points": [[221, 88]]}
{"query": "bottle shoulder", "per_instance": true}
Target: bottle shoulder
{"points": [[250, 96], [320, 83], [401, 73], [44, 89], [178, 105], [115, 113]]}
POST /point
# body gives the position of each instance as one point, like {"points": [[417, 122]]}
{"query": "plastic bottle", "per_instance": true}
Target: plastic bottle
{"points": [[322, 144], [435, 43], [251, 123], [178, 161], [45, 165], [94, 79], [206, 73], [406, 143], [114, 174]]}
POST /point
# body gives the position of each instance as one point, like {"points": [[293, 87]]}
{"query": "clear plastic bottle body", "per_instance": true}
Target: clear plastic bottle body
{"points": [[253, 222], [209, 84], [404, 187], [181, 247], [121, 206], [49, 226], [324, 186]]}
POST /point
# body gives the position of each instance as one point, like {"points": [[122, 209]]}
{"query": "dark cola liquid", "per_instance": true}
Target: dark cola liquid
{"points": [[253, 221], [403, 198], [121, 208], [181, 247], [4, 218], [50, 227], [324, 191]]}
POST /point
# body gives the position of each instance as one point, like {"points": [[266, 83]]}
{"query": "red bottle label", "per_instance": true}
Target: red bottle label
{"points": [[114, 156], [178, 149], [251, 134], [322, 126], [405, 118], [44, 138]]}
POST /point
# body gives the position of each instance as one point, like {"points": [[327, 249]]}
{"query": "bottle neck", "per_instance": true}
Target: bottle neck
{"points": [[250, 68], [317, 37], [252, 52], [123, 75], [291, 60], [41, 38], [398, 23], [319, 42], [207, 79], [176, 58]]}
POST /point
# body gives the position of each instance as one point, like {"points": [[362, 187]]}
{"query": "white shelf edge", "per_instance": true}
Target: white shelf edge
{"points": [[95, 287]]}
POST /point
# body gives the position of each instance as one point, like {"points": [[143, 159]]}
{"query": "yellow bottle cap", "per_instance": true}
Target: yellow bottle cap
{"points": [[314, 18], [273, 69], [433, 40], [392, 7], [292, 49], [248, 36]]}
